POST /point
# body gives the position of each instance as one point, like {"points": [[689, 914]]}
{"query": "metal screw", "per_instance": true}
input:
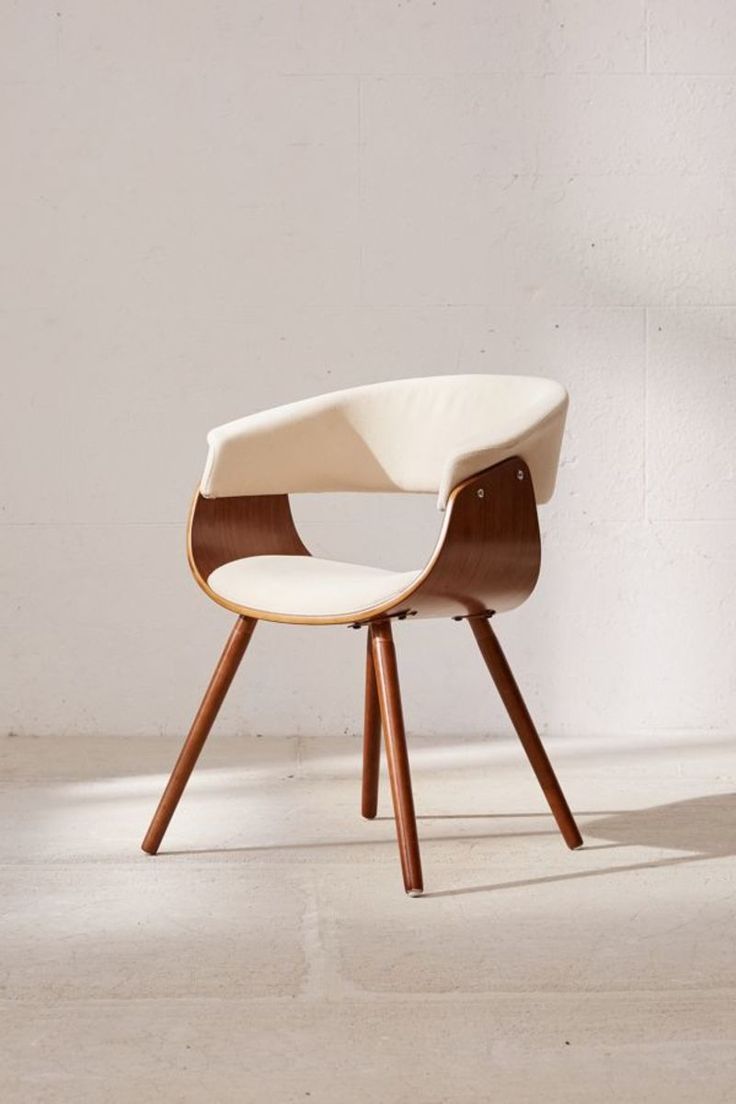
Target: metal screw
{"points": [[519, 474], [480, 492]]}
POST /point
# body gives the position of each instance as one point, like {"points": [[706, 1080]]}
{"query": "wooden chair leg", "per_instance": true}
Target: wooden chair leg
{"points": [[389, 696], [371, 737], [511, 696], [214, 696]]}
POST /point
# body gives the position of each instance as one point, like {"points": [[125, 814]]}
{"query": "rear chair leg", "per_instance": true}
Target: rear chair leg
{"points": [[214, 696], [371, 737], [511, 696], [389, 696]]}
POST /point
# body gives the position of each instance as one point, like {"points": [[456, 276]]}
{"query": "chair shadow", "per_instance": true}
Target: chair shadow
{"points": [[703, 827]]}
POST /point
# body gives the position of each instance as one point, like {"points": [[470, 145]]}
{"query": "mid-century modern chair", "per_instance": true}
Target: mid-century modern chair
{"points": [[488, 445]]}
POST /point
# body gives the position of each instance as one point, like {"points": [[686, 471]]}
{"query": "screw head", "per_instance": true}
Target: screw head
{"points": [[519, 474], [480, 492]]}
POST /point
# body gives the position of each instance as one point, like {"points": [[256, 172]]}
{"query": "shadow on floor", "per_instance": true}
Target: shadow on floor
{"points": [[704, 827]]}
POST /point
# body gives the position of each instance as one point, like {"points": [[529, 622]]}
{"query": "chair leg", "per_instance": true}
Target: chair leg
{"points": [[389, 696], [214, 696], [511, 696], [371, 737]]}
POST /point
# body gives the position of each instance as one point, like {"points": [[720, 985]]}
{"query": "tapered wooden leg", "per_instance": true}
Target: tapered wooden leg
{"points": [[389, 697], [215, 695], [371, 738], [511, 696]]}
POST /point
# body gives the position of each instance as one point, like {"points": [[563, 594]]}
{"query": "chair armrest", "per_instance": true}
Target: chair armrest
{"points": [[538, 442], [390, 437], [268, 452]]}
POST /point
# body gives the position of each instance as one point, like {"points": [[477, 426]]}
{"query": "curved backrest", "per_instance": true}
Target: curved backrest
{"points": [[421, 435]]}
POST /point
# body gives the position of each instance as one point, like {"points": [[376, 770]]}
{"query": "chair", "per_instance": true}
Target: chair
{"points": [[488, 445]]}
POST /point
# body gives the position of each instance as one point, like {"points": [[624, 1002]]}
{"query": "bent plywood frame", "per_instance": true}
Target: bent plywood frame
{"points": [[487, 555]]}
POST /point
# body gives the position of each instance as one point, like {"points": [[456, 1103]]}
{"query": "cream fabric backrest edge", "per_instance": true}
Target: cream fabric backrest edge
{"points": [[419, 435]]}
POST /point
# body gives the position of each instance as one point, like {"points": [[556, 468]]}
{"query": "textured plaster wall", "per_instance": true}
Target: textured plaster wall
{"points": [[212, 207]]}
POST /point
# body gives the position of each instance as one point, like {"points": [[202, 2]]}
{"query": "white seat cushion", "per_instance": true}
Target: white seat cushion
{"points": [[305, 586]]}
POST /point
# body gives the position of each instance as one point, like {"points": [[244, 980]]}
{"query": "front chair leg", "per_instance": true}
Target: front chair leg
{"points": [[214, 696], [389, 696], [511, 696], [371, 737]]}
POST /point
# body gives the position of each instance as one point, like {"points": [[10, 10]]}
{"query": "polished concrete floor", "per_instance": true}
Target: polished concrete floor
{"points": [[270, 954]]}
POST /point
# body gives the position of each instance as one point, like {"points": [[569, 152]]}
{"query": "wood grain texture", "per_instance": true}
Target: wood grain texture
{"points": [[371, 737], [487, 556], [521, 719], [392, 718], [224, 673], [489, 552], [226, 529]]}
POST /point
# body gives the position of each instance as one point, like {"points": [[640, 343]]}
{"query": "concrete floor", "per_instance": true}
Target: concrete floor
{"points": [[270, 954]]}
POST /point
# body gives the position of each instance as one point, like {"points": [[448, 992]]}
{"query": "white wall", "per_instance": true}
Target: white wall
{"points": [[211, 207]]}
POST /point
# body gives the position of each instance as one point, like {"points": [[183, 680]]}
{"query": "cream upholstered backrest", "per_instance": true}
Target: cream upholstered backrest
{"points": [[424, 435]]}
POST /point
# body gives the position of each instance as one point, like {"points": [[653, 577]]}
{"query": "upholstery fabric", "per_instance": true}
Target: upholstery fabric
{"points": [[304, 586], [420, 435]]}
